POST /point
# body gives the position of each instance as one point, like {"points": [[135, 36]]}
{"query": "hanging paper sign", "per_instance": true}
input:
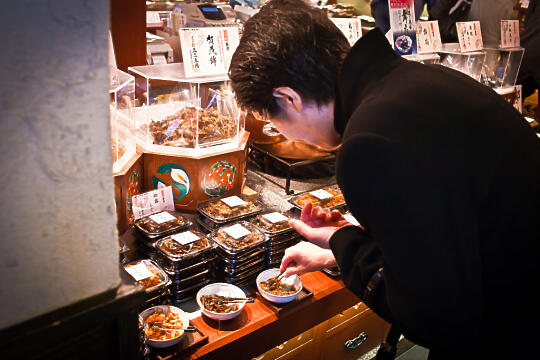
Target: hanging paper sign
{"points": [[403, 26], [208, 51], [152, 202], [350, 27], [152, 17], [428, 36], [509, 33], [469, 36]]}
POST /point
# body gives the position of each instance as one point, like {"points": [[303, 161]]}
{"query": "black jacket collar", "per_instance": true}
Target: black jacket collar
{"points": [[369, 59]]}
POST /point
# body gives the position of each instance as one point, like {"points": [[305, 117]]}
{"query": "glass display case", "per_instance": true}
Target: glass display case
{"points": [[424, 58], [122, 97], [501, 67], [179, 116], [469, 63]]}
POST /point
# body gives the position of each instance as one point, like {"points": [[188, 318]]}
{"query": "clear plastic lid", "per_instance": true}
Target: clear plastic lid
{"points": [[183, 245], [327, 197], [238, 236], [161, 223], [147, 273], [230, 208], [273, 223]]}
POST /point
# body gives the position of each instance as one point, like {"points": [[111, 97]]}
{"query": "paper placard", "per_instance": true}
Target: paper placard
{"points": [[237, 231], [233, 201], [518, 102], [428, 37], [321, 194], [152, 17], [208, 51], [275, 217], [469, 36], [152, 202], [509, 33], [139, 271], [159, 59], [403, 26], [162, 217], [185, 238], [350, 27], [351, 219]]}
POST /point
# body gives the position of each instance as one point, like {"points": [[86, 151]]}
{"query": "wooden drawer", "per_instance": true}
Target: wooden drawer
{"points": [[299, 347]]}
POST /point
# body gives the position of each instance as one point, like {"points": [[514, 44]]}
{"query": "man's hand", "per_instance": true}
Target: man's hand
{"points": [[305, 257], [318, 225]]}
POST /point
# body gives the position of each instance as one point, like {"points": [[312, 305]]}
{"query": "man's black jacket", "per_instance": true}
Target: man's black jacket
{"points": [[445, 177]]}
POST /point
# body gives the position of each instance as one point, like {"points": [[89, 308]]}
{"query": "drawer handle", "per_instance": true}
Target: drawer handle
{"points": [[356, 342]]}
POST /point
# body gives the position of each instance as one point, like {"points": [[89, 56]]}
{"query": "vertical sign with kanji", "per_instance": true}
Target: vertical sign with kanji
{"points": [[152, 202], [208, 51], [469, 36], [350, 27], [509, 33], [403, 26], [428, 36]]}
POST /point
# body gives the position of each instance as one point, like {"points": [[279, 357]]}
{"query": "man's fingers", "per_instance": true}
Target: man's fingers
{"points": [[291, 270], [302, 228], [306, 212], [286, 262]]}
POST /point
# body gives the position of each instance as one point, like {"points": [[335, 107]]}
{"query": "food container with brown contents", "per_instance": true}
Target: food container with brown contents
{"points": [[158, 225], [240, 261], [238, 238], [216, 213], [181, 250], [327, 197], [180, 296], [245, 277], [186, 282], [206, 264], [148, 273], [274, 224]]}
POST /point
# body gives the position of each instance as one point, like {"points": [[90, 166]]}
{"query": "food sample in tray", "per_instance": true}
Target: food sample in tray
{"points": [[163, 326], [180, 129], [275, 286], [147, 273], [229, 208], [328, 197], [219, 304], [183, 244], [273, 222], [160, 223], [238, 236]]}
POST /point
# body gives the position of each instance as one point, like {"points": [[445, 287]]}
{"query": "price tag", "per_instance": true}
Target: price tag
{"points": [[139, 271], [469, 36], [403, 26], [162, 217], [275, 217], [321, 194], [237, 231], [185, 238], [152, 17], [428, 36], [351, 219], [233, 201], [350, 27], [509, 33], [152, 202], [159, 59], [208, 51]]}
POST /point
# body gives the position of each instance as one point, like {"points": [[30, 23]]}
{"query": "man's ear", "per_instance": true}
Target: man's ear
{"points": [[288, 97]]}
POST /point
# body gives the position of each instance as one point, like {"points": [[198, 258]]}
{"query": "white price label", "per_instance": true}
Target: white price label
{"points": [[351, 219], [208, 51], [428, 36], [152, 17], [162, 217], [233, 201], [152, 202], [275, 217], [509, 33], [237, 231], [350, 27], [139, 271], [469, 36], [321, 194], [185, 238]]}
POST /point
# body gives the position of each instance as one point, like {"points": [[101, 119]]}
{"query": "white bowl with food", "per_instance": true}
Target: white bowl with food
{"points": [[283, 291], [164, 325], [216, 301]]}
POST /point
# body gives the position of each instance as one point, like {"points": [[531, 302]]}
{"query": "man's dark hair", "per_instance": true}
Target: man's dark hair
{"points": [[287, 43]]}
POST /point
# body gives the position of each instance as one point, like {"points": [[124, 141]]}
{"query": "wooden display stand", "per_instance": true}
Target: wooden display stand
{"points": [[127, 182], [196, 179]]}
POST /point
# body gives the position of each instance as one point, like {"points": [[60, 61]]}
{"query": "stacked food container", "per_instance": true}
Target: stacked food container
{"points": [[216, 213], [327, 197], [279, 235], [147, 273]]}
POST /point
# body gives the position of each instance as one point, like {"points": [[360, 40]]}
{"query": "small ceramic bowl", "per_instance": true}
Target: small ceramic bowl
{"points": [[165, 309], [270, 273], [222, 289]]}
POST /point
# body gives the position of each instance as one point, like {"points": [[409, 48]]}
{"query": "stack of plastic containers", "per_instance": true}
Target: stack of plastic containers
{"points": [[155, 281]]}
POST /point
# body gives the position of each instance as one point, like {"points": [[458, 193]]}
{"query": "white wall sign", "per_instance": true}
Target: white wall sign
{"points": [[469, 36], [509, 33], [208, 51], [152, 202], [428, 36], [350, 27]]}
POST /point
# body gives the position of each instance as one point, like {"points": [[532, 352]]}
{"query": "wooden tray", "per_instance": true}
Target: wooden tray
{"points": [[190, 341], [278, 308]]}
